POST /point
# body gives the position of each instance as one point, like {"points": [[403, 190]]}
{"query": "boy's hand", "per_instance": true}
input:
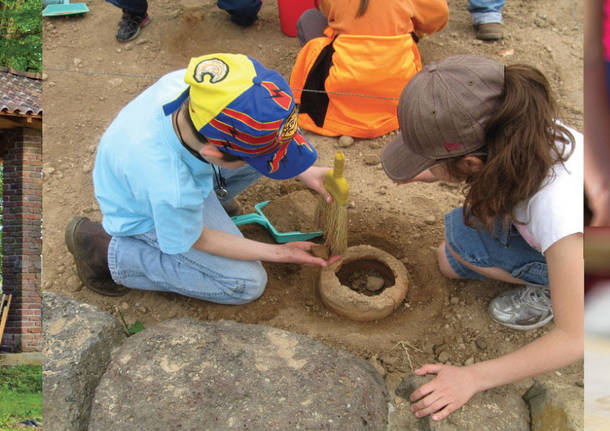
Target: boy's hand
{"points": [[314, 179], [299, 252]]}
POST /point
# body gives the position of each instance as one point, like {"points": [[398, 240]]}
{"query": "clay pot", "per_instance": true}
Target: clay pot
{"points": [[357, 306]]}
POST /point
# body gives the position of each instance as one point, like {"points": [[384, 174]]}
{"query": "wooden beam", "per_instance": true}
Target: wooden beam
{"points": [[20, 122], [4, 314]]}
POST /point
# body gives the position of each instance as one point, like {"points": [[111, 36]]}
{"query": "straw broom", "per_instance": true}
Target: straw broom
{"points": [[333, 218]]}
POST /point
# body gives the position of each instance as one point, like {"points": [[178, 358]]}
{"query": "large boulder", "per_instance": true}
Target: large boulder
{"points": [[77, 345], [492, 410], [191, 375]]}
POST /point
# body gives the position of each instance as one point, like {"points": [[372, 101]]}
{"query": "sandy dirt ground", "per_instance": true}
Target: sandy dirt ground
{"points": [[89, 77]]}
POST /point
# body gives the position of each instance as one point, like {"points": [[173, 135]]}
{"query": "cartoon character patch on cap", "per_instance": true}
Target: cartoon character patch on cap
{"points": [[215, 68]]}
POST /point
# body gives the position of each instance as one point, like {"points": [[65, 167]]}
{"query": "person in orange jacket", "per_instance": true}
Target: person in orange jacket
{"points": [[354, 49]]}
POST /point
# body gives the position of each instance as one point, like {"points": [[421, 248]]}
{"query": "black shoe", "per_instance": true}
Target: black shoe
{"points": [[88, 243], [130, 25]]}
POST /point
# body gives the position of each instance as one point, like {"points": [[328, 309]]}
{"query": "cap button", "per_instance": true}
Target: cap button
{"points": [[257, 80]]}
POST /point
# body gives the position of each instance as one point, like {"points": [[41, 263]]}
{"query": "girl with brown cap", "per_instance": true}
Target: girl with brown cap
{"points": [[469, 119]]}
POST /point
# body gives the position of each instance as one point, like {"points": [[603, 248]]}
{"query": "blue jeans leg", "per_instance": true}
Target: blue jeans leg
{"points": [[485, 11], [243, 12], [138, 263], [137, 7]]}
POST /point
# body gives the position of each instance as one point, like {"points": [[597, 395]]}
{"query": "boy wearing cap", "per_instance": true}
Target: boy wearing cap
{"points": [[190, 142], [470, 119]]}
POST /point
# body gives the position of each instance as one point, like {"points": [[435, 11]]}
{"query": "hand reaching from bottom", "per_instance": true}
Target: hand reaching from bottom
{"points": [[450, 390]]}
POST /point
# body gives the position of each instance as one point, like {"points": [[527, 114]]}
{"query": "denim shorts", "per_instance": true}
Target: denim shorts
{"points": [[506, 250]]}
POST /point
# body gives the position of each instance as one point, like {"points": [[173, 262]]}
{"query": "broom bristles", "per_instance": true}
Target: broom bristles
{"points": [[335, 230]]}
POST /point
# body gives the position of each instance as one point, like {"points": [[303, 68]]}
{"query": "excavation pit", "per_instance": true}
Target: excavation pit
{"points": [[367, 284]]}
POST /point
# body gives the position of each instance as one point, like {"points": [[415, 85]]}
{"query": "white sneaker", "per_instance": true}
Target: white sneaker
{"points": [[523, 308]]}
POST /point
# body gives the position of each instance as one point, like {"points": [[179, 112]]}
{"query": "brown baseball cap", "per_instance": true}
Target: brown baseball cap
{"points": [[442, 114]]}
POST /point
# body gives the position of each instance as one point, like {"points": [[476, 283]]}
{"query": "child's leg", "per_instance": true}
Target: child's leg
{"points": [[485, 11], [136, 7], [311, 25], [243, 12], [473, 253], [135, 17], [138, 263]]}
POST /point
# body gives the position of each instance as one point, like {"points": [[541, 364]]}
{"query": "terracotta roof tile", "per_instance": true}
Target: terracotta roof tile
{"points": [[20, 93]]}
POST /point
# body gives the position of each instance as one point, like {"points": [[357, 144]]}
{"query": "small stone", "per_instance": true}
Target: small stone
{"points": [[45, 76], [52, 84], [115, 82], [444, 356], [141, 41], [373, 283], [430, 219], [481, 343], [346, 141], [78, 62], [141, 309], [124, 306], [351, 205], [469, 361], [174, 14], [454, 300], [371, 159], [87, 167]]}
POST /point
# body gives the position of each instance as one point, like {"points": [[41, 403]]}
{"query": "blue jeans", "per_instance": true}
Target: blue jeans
{"points": [[136, 7], [137, 262], [485, 11], [243, 12], [508, 251]]}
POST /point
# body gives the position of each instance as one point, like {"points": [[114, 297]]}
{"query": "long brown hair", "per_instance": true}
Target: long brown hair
{"points": [[521, 146]]}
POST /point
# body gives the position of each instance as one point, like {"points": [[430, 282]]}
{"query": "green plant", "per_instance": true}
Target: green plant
{"points": [[20, 395], [21, 35], [133, 329]]}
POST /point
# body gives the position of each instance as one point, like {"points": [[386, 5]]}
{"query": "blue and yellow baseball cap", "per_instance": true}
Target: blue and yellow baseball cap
{"points": [[248, 111]]}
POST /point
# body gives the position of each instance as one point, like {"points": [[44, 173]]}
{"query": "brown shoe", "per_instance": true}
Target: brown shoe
{"points": [[489, 31], [88, 243]]}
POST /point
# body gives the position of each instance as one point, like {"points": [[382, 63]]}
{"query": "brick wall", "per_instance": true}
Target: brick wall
{"points": [[21, 238]]}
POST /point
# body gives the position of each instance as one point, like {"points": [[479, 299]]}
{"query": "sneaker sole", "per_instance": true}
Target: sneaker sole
{"points": [[69, 238], [525, 327]]}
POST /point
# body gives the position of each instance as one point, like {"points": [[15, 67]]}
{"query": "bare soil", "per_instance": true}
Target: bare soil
{"points": [[89, 77]]}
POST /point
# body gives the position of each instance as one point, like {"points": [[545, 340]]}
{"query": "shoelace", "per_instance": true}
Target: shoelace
{"points": [[535, 296]]}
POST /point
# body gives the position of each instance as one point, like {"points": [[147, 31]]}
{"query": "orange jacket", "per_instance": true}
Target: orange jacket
{"points": [[342, 67]]}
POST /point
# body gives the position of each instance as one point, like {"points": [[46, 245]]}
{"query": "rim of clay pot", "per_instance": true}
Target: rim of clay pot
{"points": [[356, 306]]}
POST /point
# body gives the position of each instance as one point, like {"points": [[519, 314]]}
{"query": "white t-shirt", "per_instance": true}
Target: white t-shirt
{"points": [[556, 210]]}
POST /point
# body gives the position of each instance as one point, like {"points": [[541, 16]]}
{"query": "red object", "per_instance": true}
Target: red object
{"points": [[290, 12]]}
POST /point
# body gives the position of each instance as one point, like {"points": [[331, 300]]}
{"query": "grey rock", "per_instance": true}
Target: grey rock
{"points": [[555, 406], [231, 376], [346, 141], [371, 159], [373, 283], [77, 343]]}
